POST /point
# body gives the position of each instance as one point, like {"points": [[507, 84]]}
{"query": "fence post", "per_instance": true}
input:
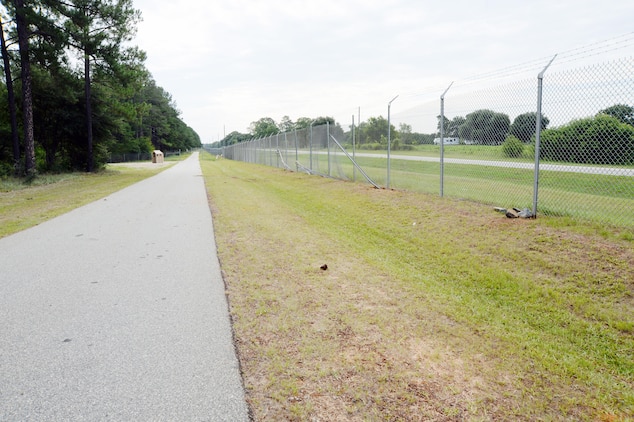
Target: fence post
{"points": [[388, 141], [354, 169], [277, 150], [442, 141], [310, 147], [328, 145], [359, 131], [538, 133], [296, 152], [286, 146]]}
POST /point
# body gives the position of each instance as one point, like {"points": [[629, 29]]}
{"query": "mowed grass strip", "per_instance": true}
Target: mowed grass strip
{"points": [[429, 309], [23, 206]]}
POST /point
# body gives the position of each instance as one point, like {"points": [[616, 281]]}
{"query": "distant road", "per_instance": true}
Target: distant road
{"points": [[509, 164], [117, 311], [611, 171]]}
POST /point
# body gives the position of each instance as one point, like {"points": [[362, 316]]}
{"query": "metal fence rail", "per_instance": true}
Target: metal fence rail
{"points": [[558, 143]]}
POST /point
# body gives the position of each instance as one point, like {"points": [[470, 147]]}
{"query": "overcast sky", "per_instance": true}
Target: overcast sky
{"points": [[228, 63]]}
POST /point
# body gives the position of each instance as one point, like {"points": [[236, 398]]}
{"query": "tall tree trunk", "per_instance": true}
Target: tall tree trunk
{"points": [[87, 91], [11, 100], [27, 95], [91, 161]]}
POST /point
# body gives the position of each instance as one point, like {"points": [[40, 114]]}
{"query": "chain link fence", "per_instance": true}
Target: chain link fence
{"points": [[314, 150], [587, 157], [559, 143]]}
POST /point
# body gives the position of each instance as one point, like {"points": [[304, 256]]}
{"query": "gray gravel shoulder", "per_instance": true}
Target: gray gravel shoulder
{"points": [[117, 311]]}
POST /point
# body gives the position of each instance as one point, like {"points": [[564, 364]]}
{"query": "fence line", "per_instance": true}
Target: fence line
{"points": [[570, 153]]}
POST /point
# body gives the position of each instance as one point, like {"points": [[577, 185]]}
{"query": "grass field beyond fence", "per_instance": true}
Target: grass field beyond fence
{"points": [[605, 199], [429, 309], [590, 194]]}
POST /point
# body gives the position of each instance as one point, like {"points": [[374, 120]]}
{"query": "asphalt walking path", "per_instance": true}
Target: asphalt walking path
{"points": [[117, 311]]}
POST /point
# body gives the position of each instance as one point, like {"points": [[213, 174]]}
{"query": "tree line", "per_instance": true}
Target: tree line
{"points": [[76, 91], [371, 134], [606, 138]]}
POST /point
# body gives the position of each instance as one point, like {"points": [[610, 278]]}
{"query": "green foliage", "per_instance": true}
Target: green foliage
{"points": [[263, 127], [624, 113], [442, 121], [375, 146], [59, 125], [512, 147], [286, 125], [303, 122], [231, 139], [97, 28], [404, 147], [375, 131], [324, 120], [596, 140], [396, 146], [452, 127], [524, 125], [486, 127], [405, 131], [267, 126], [160, 120], [6, 170], [129, 112], [423, 138]]}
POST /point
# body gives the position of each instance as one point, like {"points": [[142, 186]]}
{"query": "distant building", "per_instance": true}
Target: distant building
{"points": [[448, 141]]}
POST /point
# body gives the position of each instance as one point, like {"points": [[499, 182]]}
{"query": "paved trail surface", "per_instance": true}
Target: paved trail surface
{"points": [[117, 311]]}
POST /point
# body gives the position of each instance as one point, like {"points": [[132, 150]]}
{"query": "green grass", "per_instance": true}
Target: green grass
{"points": [[605, 185], [595, 199], [430, 307], [493, 153], [477, 152]]}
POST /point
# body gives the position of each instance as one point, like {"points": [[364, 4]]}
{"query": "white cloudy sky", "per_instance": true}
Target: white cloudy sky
{"points": [[227, 63]]}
